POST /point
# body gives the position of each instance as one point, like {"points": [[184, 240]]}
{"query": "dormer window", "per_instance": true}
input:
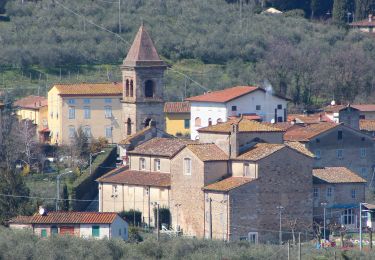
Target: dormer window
{"points": [[149, 89]]}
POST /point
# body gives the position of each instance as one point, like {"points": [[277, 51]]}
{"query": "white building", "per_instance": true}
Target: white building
{"points": [[217, 106], [81, 224]]}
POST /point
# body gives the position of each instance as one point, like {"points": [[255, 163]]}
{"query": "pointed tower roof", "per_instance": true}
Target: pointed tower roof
{"points": [[143, 52]]}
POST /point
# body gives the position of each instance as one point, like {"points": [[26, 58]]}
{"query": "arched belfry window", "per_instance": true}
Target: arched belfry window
{"points": [[127, 88], [147, 122], [129, 127], [131, 88], [149, 89]]}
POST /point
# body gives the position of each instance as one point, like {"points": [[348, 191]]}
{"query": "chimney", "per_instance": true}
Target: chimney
{"points": [[234, 142], [42, 211], [370, 18]]}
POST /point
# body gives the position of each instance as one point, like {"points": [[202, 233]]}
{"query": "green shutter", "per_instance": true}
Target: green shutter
{"points": [[187, 123], [95, 231], [54, 230], [43, 233]]}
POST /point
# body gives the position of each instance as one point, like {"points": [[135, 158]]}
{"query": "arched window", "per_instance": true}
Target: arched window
{"points": [[129, 127], [147, 122], [209, 121], [198, 121], [149, 89], [131, 88], [219, 120], [127, 88]]}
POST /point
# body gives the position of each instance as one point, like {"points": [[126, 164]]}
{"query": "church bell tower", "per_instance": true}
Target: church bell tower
{"points": [[142, 77]]}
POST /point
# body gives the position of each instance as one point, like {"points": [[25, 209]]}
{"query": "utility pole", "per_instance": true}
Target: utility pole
{"points": [[299, 246], [288, 249], [157, 222], [177, 206], [324, 204], [360, 226], [280, 208], [119, 16], [210, 211]]}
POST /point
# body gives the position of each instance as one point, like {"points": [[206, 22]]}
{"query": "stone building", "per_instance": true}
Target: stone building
{"points": [[340, 191], [142, 76], [237, 198], [337, 145], [146, 180]]}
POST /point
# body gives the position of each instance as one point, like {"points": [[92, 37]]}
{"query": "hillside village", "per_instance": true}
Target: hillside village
{"points": [[228, 165]]}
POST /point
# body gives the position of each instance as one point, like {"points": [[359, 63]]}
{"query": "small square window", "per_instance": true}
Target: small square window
{"points": [[258, 107], [71, 101], [317, 140], [108, 100], [279, 119], [279, 106], [86, 101], [234, 108]]}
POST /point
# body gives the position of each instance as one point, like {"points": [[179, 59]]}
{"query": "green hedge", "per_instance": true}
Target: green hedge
{"points": [[85, 187]]}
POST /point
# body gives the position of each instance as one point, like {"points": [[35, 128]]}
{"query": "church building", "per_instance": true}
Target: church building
{"points": [[142, 76]]}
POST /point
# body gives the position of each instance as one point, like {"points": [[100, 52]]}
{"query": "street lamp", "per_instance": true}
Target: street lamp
{"points": [[157, 219], [280, 208], [58, 188], [324, 204], [91, 155]]}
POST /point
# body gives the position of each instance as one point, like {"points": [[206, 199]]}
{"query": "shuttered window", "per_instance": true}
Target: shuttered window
{"points": [[43, 233], [95, 231]]}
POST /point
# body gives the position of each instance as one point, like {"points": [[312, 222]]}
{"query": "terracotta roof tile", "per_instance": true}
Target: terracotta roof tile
{"points": [[246, 116], [68, 217], [364, 23], [300, 148], [367, 125], [283, 125], [31, 102], [208, 152], [228, 184], [336, 175], [90, 89], [365, 107], [304, 134], [245, 125], [260, 151], [161, 146], [177, 107], [142, 178], [21, 220], [135, 135], [333, 109], [309, 119], [225, 95], [143, 52]]}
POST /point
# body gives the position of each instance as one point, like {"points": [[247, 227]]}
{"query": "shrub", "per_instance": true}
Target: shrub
{"points": [[133, 217], [164, 216]]}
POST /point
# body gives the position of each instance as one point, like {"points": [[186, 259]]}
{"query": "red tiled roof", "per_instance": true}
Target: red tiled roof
{"points": [[142, 178], [309, 119], [336, 175], [333, 109], [260, 151], [161, 146], [128, 139], [367, 125], [283, 125], [225, 95], [304, 134], [143, 51], [89, 89], [177, 107], [21, 220], [31, 102], [68, 217], [365, 107], [208, 152], [246, 116], [364, 23], [228, 184], [245, 125]]}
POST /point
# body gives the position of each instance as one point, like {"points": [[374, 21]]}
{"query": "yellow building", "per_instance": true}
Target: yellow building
{"points": [[95, 107], [35, 109], [177, 118]]}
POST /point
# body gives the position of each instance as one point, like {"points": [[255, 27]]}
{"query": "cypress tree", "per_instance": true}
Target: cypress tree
{"points": [[363, 8], [65, 203], [339, 13]]}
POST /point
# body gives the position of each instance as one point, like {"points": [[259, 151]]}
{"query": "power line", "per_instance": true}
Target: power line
{"points": [[92, 23]]}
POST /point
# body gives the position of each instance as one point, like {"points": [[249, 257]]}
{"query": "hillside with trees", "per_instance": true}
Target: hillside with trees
{"points": [[215, 43]]}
